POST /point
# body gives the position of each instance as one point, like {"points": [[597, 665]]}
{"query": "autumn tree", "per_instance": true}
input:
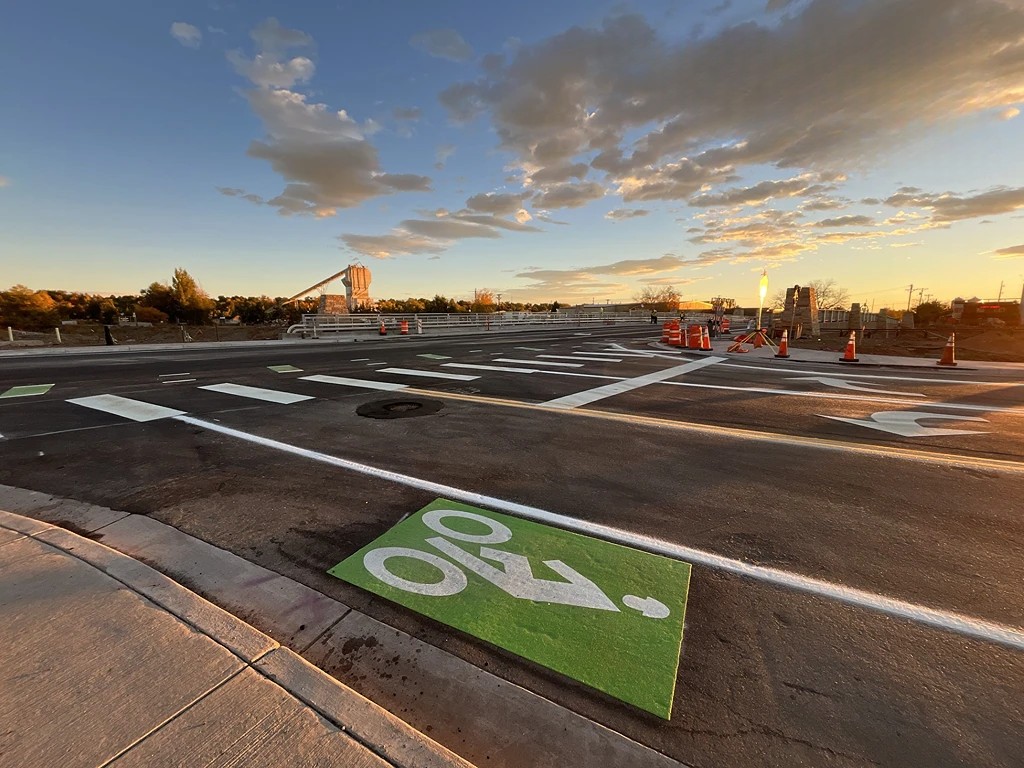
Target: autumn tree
{"points": [[21, 307], [191, 302], [663, 299], [483, 300]]}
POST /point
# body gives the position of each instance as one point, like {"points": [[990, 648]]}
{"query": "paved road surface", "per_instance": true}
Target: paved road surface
{"points": [[748, 461]]}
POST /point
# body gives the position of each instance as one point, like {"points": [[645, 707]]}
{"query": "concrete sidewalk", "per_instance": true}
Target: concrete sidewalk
{"points": [[105, 661]]}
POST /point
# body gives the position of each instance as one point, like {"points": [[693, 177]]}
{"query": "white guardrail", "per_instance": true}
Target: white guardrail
{"points": [[317, 324]]}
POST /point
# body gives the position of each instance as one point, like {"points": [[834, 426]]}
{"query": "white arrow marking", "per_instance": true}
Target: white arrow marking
{"points": [[844, 384], [904, 423]]}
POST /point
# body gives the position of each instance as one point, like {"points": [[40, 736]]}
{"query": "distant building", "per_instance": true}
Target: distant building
{"points": [[975, 311]]}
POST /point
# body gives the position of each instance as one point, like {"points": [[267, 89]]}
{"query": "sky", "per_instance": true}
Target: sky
{"points": [[577, 150]]}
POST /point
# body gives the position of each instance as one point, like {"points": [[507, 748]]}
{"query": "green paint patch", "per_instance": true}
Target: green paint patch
{"points": [[435, 357], [606, 615], [27, 391], [284, 369]]}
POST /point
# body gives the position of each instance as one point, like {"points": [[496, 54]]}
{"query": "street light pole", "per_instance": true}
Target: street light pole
{"points": [[762, 292]]}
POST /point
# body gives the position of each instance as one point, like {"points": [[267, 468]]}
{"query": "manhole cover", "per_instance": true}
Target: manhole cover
{"points": [[398, 409]]}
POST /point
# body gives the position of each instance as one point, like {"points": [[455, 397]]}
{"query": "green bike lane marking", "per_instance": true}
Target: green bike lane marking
{"points": [[27, 391], [284, 369], [606, 615]]}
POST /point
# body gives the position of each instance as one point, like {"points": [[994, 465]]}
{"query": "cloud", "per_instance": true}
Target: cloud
{"points": [[407, 113], [322, 154], [626, 213], [1009, 113], [216, 31], [441, 155], [269, 68], [396, 243], [635, 104], [559, 173], [592, 280], [442, 229], [500, 204], [846, 221], [569, 195], [777, 5], [1013, 252], [442, 44], [948, 206], [761, 192], [825, 203], [4, 181], [186, 34], [266, 71]]}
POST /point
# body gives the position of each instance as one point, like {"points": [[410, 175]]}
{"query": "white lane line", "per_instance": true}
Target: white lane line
{"points": [[256, 393], [606, 355], [359, 359], [592, 359], [136, 410], [845, 375], [435, 357], [383, 362], [581, 334], [474, 350], [609, 390], [345, 382], [531, 349], [473, 367], [860, 398], [538, 362], [178, 381], [949, 621], [168, 375], [428, 374]]}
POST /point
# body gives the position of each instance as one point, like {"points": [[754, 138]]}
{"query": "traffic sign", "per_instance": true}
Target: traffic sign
{"points": [[606, 615]]}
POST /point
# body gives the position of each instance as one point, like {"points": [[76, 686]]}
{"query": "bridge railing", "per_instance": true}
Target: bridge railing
{"points": [[467, 320]]}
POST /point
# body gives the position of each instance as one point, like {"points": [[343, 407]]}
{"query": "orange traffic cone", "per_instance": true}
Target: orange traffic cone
{"points": [[949, 353], [784, 344], [850, 356], [705, 340], [758, 339], [383, 330]]}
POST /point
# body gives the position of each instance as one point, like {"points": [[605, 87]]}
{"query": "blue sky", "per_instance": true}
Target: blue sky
{"points": [[568, 150]]}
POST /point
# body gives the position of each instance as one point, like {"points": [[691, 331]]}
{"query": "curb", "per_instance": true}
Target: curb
{"points": [[367, 723], [471, 710], [305, 343]]}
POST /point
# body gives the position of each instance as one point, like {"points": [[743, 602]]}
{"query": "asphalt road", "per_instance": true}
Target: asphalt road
{"points": [[723, 456]]}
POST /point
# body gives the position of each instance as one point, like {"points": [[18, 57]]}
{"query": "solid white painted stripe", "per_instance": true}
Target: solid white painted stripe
{"points": [[844, 375], [531, 349], [582, 375], [359, 359], [592, 359], [606, 355], [256, 393], [383, 362], [947, 620], [167, 375], [136, 410], [609, 390], [839, 396], [538, 362], [473, 367], [429, 374], [178, 381], [361, 383]]}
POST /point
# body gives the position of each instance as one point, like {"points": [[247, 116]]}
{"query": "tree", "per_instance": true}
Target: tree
{"points": [[665, 299], [930, 311], [21, 307], [159, 297], [149, 314], [827, 294], [483, 300], [191, 302]]}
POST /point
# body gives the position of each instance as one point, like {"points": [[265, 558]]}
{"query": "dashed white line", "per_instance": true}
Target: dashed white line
{"points": [[538, 362], [428, 374], [168, 375], [581, 357], [177, 381], [257, 393], [346, 382], [474, 367]]}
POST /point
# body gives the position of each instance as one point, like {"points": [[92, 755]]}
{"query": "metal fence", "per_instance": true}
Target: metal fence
{"points": [[318, 324]]}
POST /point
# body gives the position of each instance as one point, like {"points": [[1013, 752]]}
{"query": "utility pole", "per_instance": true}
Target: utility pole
{"points": [[1002, 284], [910, 295], [920, 295]]}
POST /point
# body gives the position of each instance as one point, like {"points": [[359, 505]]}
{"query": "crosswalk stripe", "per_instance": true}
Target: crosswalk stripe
{"points": [[607, 355], [429, 374], [471, 366], [257, 393], [345, 382], [538, 362], [136, 410], [581, 357]]}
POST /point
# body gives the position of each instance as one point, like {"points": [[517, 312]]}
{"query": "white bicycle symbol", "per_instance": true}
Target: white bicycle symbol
{"points": [[515, 577]]}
